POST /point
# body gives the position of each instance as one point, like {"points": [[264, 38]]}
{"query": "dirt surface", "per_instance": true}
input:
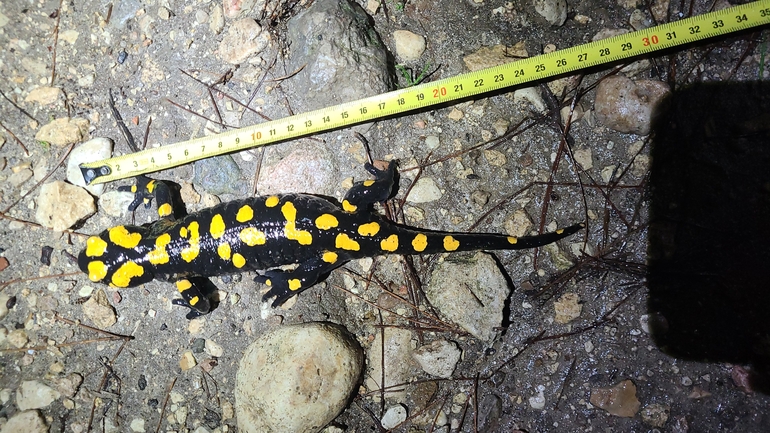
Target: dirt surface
{"points": [[683, 211]]}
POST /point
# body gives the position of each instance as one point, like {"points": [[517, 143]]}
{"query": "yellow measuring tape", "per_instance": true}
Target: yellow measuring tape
{"points": [[437, 92]]}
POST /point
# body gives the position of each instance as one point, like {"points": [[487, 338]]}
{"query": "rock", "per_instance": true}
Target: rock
{"points": [[471, 292], [424, 190], [537, 401], [344, 59], [567, 308], [409, 46], [187, 361], [18, 178], [64, 131], [554, 11], [217, 19], [218, 175], [656, 415], [28, 421], [532, 96], [620, 400], [296, 378], [628, 106], [519, 224], [61, 205], [244, 38], [115, 203], [93, 150], [17, 338], [35, 395], [214, 349], [487, 57], [438, 358], [137, 425], [584, 158], [235, 8], [495, 158], [394, 416], [44, 95], [307, 169], [68, 385], [4, 298], [397, 358], [98, 309]]}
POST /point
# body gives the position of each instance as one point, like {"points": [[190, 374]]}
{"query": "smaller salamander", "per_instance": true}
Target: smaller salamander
{"points": [[265, 233]]}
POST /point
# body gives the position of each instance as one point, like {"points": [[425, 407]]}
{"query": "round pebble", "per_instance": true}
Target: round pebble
{"points": [[296, 378], [409, 46]]}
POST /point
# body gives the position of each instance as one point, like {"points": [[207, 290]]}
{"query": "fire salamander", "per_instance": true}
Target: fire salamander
{"points": [[264, 233]]}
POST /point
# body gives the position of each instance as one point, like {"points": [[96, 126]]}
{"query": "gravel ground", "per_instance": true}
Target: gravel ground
{"points": [[667, 302]]}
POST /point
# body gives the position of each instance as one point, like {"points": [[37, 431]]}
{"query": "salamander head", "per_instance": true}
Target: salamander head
{"points": [[115, 257]]}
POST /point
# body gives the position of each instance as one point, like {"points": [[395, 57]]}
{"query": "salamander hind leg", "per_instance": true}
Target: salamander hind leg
{"points": [[194, 297], [285, 284], [377, 190]]}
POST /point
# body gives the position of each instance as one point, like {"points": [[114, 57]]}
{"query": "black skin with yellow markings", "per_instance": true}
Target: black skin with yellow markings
{"points": [[263, 233]]}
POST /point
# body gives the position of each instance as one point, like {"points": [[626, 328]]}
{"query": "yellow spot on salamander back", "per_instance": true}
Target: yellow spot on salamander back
{"points": [[121, 237], [326, 221], [330, 257], [95, 246], [251, 236], [290, 230], [245, 213], [97, 271], [150, 186], [369, 229], [159, 255], [123, 275], [238, 260], [294, 284], [450, 243], [183, 285], [420, 242], [347, 207], [513, 240], [164, 209], [183, 232], [344, 242], [224, 251], [368, 182], [389, 244], [191, 252], [217, 227], [272, 201]]}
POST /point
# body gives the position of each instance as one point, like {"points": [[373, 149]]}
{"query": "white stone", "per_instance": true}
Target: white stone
{"points": [[394, 416], [409, 46], [35, 395], [439, 358], [554, 11], [93, 150], [425, 190]]}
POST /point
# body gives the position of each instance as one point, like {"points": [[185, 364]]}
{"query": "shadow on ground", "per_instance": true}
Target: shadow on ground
{"points": [[709, 253]]}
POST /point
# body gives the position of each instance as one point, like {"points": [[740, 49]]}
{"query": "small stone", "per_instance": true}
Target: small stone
{"points": [[530, 95], [214, 349], [554, 11], [567, 308], [115, 203], [480, 198], [495, 158], [93, 150], [244, 38], [487, 57], [584, 158], [455, 114], [439, 358], [19, 177], [655, 415], [537, 401], [409, 46], [164, 13], [216, 19], [4, 298], [235, 8], [372, 6], [432, 142], [44, 95], [218, 175], [98, 309], [424, 190], [201, 16], [17, 338], [393, 347], [608, 172], [68, 385], [307, 169], [297, 378], [35, 395], [519, 224], [187, 361], [137, 425], [620, 400], [393, 417], [28, 421], [628, 106], [64, 131]]}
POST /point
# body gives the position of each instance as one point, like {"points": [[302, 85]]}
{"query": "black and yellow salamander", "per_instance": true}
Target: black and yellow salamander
{"points": [[264, 233]]}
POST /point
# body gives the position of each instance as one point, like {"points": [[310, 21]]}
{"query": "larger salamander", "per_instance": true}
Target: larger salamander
{"points": [[266, 232]]}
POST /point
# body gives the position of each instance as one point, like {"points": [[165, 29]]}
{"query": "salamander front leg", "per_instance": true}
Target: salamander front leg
{"points": [[145, 190], [285, 284], [193, 297], [363, 194]]}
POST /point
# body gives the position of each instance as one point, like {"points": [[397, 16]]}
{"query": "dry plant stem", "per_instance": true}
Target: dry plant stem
{"points": [[24, 112], [58, 164], [165, 403], [24, 148], [5, 284], [199, 115], [224, 95]]}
